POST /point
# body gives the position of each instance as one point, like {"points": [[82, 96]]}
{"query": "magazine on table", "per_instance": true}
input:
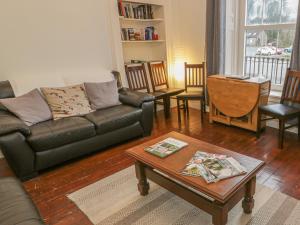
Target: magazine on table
{"points": [[213, 167], [166, 147]]}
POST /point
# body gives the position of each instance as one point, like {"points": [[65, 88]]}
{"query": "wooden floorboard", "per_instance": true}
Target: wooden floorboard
{"points": [[49, 190]]}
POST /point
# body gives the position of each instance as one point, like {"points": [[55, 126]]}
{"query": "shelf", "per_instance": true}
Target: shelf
{"points": [[142, 3], [141, 20], [150, 41]]}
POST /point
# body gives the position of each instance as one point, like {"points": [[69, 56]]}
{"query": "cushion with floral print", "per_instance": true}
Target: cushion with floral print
{"points": [[67, 101]]}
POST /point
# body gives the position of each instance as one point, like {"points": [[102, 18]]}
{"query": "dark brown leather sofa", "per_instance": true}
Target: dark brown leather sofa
{"points": [[31, 149], [16, 206]]}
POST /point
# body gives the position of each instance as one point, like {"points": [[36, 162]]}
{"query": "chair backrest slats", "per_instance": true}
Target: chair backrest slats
{"points": [[137, 77], [194, 75], [291, 88], [158, 75]]}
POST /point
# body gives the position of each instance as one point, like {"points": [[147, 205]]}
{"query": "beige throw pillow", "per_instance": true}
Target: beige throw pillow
{"points": [[67, 101]]}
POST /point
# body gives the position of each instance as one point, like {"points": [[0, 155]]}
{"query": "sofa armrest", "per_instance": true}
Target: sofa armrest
{"points": [[18, 154], [10, 123], [134, 98]]}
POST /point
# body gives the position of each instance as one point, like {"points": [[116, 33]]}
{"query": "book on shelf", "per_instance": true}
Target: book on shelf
{"points": [[213, 167], [135, 10], [166, 147], [133, 34]]}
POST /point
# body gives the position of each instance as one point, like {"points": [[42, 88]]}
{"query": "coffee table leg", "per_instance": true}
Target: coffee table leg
{"points": [[220, 216], [143, 185], [248, 202]]}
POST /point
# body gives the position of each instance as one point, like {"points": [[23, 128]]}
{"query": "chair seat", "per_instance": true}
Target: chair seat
{"points": [[280, 110], [171, 91], [157, 94], [191, 95]]}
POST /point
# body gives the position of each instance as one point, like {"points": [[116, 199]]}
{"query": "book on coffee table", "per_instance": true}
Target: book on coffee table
{"points": [[166, 147], [213, 167]]}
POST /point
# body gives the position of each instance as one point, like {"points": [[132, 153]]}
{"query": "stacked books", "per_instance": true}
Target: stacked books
{"points": [[213, 167], [166, 147], [135, 11], [132, 34]]}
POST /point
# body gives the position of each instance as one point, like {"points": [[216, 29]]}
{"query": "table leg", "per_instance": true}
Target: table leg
{"points": [[220, 216], [143, 185], [168, 107], [248, 202], [178, 111]]}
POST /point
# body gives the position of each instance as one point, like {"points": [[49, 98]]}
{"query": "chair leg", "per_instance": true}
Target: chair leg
{"points": [[281, 133], [178, 110], [155, 108], [166, 101], [299, 127], [203, 105], [202, 111], [187, 107], [258, 124]]}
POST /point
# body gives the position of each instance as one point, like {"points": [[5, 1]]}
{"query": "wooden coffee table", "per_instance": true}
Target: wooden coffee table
{"points": [[216, 198]]}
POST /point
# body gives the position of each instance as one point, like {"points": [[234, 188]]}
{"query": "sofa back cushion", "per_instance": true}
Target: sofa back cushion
{"points": [[102, 95], [67, 101], [31, 108]]}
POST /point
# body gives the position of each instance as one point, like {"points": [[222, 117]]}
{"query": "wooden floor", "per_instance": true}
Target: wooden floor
{"points": [[282, 170]]}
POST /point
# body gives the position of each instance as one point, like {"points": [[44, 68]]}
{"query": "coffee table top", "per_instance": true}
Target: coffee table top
{"points": [[173, 165]]}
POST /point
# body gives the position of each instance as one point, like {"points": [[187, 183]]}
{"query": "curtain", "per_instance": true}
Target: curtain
{"points": [[215, 36], [295, 59]]}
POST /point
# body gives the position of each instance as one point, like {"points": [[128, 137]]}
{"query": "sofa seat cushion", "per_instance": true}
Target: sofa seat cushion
{"points": [[113, 118], [15, 205], [55, 133]]}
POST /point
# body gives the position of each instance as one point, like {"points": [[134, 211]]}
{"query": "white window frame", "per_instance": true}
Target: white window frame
{"points": [[243, 28]]}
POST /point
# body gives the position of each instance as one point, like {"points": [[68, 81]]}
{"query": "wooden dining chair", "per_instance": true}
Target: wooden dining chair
{"points": [[159, 81], [194, 79], [288, 111], [138, 81]]}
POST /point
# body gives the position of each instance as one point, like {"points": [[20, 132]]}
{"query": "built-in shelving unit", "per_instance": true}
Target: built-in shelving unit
{"points": [[142, 30]]}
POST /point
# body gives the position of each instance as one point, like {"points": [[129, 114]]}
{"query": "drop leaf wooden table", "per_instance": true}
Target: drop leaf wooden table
{"points": [[235, 102]]}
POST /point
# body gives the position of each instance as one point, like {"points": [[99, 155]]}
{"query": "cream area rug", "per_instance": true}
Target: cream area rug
{"points": [[116, 200]]}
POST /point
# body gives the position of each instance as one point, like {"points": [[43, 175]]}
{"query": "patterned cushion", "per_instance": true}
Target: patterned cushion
{"points": [[67, 101]]}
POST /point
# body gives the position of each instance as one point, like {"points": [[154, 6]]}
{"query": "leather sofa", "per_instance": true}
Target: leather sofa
{"points": [[32, 149], [16, 206]]}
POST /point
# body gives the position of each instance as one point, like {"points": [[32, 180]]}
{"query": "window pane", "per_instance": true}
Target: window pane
{"points": [[272, 11], [285, 42], [261, 43], [254, 12], [268, 54], [289, 11]]}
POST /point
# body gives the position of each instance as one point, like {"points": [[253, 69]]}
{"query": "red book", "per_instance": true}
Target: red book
{"points": [[120, 3]]}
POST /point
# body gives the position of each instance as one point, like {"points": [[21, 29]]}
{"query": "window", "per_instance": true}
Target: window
{"points": [[268, 34]]}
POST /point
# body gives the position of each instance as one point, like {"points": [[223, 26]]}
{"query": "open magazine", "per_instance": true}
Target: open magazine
{"points": [[166, 147], [213, 167]]}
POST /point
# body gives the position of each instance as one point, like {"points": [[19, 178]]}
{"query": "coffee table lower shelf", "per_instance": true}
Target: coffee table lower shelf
{"points": [[218, 210]]}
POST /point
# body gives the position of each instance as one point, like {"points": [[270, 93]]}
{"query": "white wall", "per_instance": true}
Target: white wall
{"points": [[52, 42], [187, 36], [61, 42]]}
